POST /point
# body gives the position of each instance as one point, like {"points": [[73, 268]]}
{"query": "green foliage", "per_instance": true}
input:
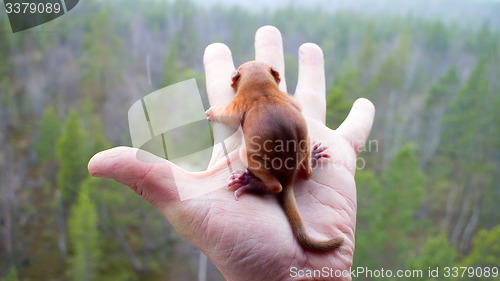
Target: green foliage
{"points": [[368, 48], [484, 42], [240, 44], [437, 38], [125, 220], [50, 130], [370, 241], [436, 106], [71, 151], [186, 33], [173, 71], [405, 179], [391, 73], [444, 89], [437, 252], [100, 65], [292, 72], [4, 51], [490, 217], [386, 88], [469, 139], [387, 211], [468, 118], [342, 31], [337, 107], [171, 66], [84, 237], [486, 249], [11, 275], [339, 101], [387, 206], [92, 123]]}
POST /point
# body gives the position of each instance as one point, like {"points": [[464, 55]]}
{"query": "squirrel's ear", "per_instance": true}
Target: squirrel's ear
{"points": [[235, 78], [276, 75]]}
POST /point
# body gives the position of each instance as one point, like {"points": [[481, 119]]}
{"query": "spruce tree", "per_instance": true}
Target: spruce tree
{"points": [[50, 130], [386, 209], [338, 107], [471, 138], [84, 237], [401, 196], [436, 106], [370, 241], [70, 151]]}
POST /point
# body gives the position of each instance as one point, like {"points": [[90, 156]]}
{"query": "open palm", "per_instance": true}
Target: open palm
{"points": [[251, 239]]}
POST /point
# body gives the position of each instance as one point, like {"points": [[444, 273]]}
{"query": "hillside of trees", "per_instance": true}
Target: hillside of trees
{"points": [[427, 195]]}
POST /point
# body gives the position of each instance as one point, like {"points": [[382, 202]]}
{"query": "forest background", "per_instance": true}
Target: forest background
{"points": [[427, 195]]}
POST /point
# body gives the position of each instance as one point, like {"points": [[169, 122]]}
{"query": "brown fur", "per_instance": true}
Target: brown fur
{"points": [[269, 117]]}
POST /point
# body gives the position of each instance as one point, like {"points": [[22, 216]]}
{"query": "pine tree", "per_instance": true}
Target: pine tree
{"points": [[437, 252], [386, 88], [392, 72], [402, 191], [337, 106], [175, 69], [437, 38], [50, 130], [340, 98], [367, 52], [101, 48], [484, 42], [436, 107], [471, 140], [84, 237], [171, 66], [386, 209], [370, 241], [93, 125], [4, 51], [71, 152], [119, 230], [469, 117], [184, 31], [338, 102]]}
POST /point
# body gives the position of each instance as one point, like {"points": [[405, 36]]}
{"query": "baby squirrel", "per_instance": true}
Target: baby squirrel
{"points": [[276, 142]]}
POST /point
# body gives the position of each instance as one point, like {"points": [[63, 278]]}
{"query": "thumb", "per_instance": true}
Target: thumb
{"points": [[153, 180]]}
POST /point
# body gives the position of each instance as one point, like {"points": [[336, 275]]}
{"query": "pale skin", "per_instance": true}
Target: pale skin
{"points": [[251, 239]]}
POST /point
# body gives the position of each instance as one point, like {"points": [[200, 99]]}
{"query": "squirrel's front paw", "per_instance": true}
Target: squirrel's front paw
{"points": [[209, 114]]}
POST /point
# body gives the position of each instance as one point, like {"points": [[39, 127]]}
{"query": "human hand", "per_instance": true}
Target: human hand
{"points": [[251, 239]]}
